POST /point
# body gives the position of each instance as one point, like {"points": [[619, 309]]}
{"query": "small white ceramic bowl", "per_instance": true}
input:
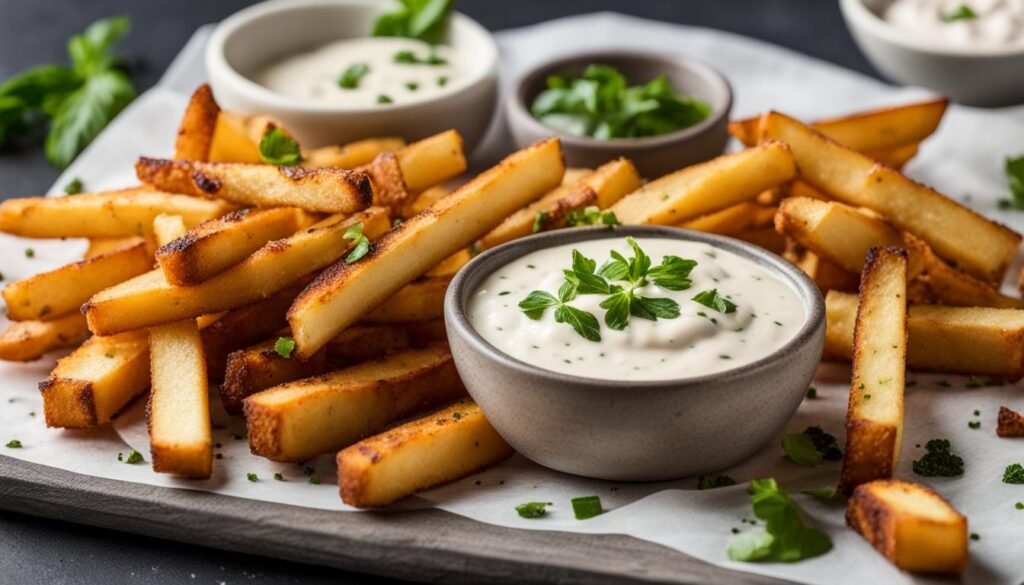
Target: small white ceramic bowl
{"points": [[975, 76], [263, 33]]}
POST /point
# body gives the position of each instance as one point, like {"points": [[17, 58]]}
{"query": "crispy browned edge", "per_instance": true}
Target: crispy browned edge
{"points": [[177, 256], [195, 133], [265, 431], [249, 371], [389, 188], [559, 211], [84, 398], [202, 178], [875, 521], [876, 438], [1009, 423]]}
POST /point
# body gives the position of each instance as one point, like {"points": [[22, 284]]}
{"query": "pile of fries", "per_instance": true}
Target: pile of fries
{"points": [[220, 269]]}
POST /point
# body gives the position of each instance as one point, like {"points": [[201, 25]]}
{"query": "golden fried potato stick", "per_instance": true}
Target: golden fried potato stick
{"points": [[26, 341], [198, 124]]}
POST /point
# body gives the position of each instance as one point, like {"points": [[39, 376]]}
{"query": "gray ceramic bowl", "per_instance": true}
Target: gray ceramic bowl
{"points": [[629, 430], [653, 156]]}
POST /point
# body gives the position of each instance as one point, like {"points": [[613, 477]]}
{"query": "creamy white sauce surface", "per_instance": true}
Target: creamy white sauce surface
{"points": [[315, 76], [995, 24], [700, 341]]}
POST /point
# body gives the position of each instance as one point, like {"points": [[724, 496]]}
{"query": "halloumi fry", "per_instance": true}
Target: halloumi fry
{"points": [[198, 124], [351, 155], [708, 187], [327, 190], [938, 282], [962, 340], [734, 219], [149, 299], [257, 368], [61, 291], [110, 214], [452, 264], [432, 161], [435, 449], [958, 234], [96, 381], [26, 341], [911, 525], [345, 292], [874, 420], [420, 300], [425, 200], [99, 246], [303, 419], [214, 246], [178, 412], [896, 157], [825, 273]]}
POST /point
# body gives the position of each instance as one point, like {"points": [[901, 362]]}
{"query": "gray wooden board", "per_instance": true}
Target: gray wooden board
{"points": [[424, 545]]}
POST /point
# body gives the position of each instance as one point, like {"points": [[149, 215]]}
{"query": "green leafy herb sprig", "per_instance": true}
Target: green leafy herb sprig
{"points": [[591, 215], [785, 538], [352, 75], [361, 244], [1015, 177], [602, 104], [79, 101], [426, 20], [619, 279], [963, 12], [277, 148]]}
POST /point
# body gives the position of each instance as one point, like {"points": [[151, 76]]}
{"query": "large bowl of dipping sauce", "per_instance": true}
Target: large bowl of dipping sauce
{"points": [[314, 66], [972, 51], [709, 366]]}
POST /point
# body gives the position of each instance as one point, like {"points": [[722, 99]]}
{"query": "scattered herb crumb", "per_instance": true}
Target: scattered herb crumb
{"points": [[278, 476], [710, 483], [14, 444], [74, 186], [30, 253], [533, 509], [314, 480], [812, 393], [1014, 473], [975, 536], [134, 457], [974, 424], [939, 461], [284, 346], [587, 507], [251, 476]]}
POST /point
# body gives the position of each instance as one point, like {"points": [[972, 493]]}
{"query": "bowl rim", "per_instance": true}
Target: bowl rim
{"points": [[517, 98], [217, 64], [487, 262], [858, 15]]}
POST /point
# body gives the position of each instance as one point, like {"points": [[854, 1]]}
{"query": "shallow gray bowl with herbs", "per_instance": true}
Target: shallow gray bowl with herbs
{"points": [[634, 430], [655, 155]]}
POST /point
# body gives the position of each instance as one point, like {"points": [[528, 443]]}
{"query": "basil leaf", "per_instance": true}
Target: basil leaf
{"points": [[583, 322], [659, 307], [90, 51], [277, 148], [673, 273], [617, 315], [84, 113], [712, 300], [536, 302], [13, 117], [36, 87], [800, 449], [353, 75]]}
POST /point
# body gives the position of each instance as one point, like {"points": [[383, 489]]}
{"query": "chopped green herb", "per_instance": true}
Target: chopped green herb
{"points": [[252, 477], [825, 443], [939, 461], [426, 20], [284, 346], [712, 300], [361, 244], [353, 75], [540, 220], [533, 509], [410, 58], [14, 444], [442, 81], [799, 448], [974, 424], [278, 148], [587, 507], [601, 104], [1014, 169], [712, 482], [279, 476], [812, 393], [412, 86], [30, 253], [133, 457], [591, 215], [314, 480], [822, 493], [120, 456], [975, 536], [963, 12], [725, 357], [1014, 473], [74, 186], [384, 99], [786, 538], [974, 382], [1019, 505], [977, 413]]}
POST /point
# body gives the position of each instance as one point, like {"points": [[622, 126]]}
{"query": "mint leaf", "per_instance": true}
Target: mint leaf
{"points": [[84, 113], [790, 539], [567, 291], [673, 273], [583, 322], [712, 300], [617, 315], [800, 449], [533, 509], [536, 302], [615, 269], [581, 263], [353, 75], [639, 264], [277, 148]]}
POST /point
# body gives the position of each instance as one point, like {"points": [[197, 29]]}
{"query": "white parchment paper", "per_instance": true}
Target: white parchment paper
{"points": [[964, 160]]}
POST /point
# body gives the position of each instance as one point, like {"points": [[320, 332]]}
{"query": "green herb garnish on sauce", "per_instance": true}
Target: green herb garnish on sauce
{"points": [[410, 58], [591, 215], [602, 104], [533, 509], [785, 538], [712, 300], [284, 346], [361, 244], [353, 75], [963, 12], [277, 148], [587, 507], [426, 20], [384, 99]]}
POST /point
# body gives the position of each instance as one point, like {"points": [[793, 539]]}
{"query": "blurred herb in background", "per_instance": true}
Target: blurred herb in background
{"points": [[602, 105], [426, 20], [78, 101], [1015, 177]]}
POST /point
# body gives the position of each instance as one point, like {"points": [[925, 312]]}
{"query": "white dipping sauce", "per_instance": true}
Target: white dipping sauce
{"points": [[315, 76], [995, 24], [700, 341]]}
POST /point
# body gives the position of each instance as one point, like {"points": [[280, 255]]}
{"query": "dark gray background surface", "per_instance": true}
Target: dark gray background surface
{"points": [[34, 550]]}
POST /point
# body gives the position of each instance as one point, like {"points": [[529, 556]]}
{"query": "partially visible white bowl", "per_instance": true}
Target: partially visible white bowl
{"points": [[975, 76], [263, 33]]}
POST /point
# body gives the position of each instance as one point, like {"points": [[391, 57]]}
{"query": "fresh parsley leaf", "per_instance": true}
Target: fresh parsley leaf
{"points": [[1015, 177], [277, 148], [590, 215], [284, 346], [14, 444], [799, 448], [602, 104], [963, 12], [786, 538], [74, 186], [539, 221], [587, 507], [536, 303], [533, 509], [712, 300], [617, 310], [673, 273], [615, 269], [654, 308], [567, 291], [426, 20], [581, 321], [133, 457], [353, 75], [361, 244]]}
